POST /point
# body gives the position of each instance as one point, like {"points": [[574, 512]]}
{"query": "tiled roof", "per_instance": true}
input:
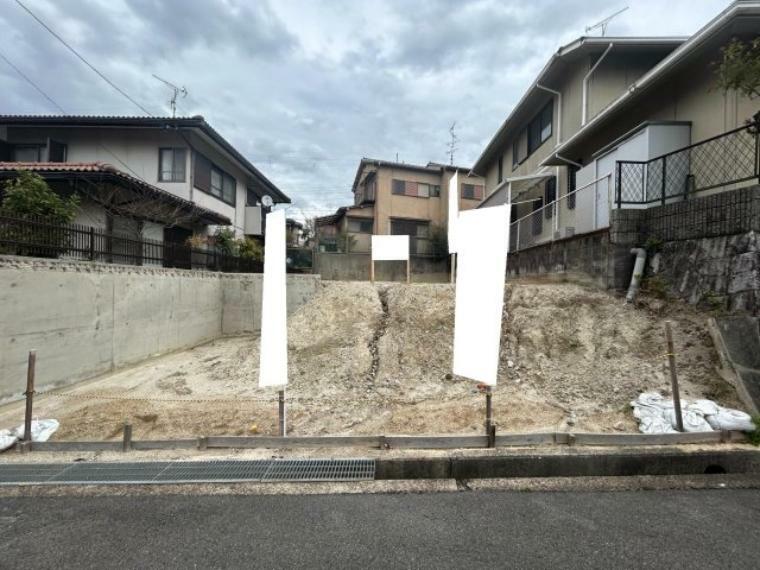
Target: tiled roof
{"points": [[195, 122], [117, 175]]}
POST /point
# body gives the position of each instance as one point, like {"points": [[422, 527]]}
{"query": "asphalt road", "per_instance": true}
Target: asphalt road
{"points": [[657, 529]]}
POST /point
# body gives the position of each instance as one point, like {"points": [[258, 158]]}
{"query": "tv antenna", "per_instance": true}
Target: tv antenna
{"points": [[452, 142], [604, 23], [175, 92]]}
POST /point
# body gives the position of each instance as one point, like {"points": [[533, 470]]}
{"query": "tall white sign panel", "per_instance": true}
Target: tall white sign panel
{"points": [[273, 361], [482, 245], [453, 212], [390, 248]]}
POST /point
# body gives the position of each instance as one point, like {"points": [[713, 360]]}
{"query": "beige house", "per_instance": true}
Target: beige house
{"points": [[398, 199], [600, 102]]}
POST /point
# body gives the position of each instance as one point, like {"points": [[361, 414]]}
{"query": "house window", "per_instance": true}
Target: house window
{"points": [[171, 164], [550, 195], [537, 222], [540, 128], [571, 186], [222, 185], [251, 198], [538, 131], [500, 174], [415, 189], [359, 226], [418, 232], [472, 191], [213, 180], [28, 152]]}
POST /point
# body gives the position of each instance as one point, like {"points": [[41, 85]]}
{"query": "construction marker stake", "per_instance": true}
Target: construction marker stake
{"points": [[30, 371], [281, 405], [674, 376]]}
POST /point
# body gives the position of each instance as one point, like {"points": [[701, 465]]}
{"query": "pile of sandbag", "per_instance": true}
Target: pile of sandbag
{"points": [[41, 431], [656, 414]]}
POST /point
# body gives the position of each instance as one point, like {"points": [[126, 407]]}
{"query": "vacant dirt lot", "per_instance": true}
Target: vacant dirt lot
{"points": [[376, 359]]}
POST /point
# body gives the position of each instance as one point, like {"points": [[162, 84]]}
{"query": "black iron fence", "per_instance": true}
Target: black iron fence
{"points": [[730, 158], [38, 237]]}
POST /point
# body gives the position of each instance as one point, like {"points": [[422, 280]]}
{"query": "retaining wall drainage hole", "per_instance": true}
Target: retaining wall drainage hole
{"points": [[714, 470]]}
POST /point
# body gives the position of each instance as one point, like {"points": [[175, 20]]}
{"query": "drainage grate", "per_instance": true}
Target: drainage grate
{"points": [[189, 471], [321, 470]]}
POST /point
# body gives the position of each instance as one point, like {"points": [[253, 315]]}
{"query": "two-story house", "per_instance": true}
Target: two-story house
{"points": [[147, 177], [600, 101], [395, 198]]}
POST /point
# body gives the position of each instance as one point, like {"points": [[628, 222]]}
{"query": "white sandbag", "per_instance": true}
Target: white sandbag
{"points": [[693, 421], [7, 439], [728, 419], [705, 407], [41, 429], [655, 424]]}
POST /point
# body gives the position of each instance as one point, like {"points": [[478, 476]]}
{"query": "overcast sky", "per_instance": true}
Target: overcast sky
{"points": [[306, 88]]}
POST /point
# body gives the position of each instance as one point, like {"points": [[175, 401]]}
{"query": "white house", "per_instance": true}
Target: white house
{"points": [[158, 178]]}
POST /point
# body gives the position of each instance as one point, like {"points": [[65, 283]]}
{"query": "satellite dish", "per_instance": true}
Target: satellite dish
{"points": [[267, 201]]}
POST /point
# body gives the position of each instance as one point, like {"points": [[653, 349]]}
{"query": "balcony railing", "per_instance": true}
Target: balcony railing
{"points": [[730, 158]]}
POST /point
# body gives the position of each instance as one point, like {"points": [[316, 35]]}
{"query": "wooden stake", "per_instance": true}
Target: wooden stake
{"points": [[283, 427], [371, 271], [673, 376], [408, 271], [126, 444], [30, 370], [489, 410], [453, 268]]}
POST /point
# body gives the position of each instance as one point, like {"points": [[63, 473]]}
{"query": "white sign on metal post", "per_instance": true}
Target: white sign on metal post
{"points": [[453, 212], [273, 360], [390, 248], [482, 245]]}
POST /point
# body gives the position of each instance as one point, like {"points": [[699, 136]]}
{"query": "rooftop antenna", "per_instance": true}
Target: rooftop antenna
{"points": [[175, 91], [452, 142], [604, 23]]}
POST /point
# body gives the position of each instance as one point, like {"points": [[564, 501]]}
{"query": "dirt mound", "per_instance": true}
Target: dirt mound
{"points": [[377, 359]]}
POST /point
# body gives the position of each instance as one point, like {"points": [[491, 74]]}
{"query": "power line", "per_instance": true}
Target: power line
{"points": [[82, 59], [32, 83]]}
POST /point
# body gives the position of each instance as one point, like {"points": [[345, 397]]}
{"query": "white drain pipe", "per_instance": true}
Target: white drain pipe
{"points": [[638, 272]]}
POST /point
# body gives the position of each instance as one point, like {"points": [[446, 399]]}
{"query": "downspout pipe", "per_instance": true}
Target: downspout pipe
{"points": [[638, 272], [584, 102], [559, 109]]}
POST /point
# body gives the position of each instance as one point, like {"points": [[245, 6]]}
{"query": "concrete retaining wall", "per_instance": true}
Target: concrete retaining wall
{"points": [[704, 250], [355, 267], [85, 319], [583, 258]]}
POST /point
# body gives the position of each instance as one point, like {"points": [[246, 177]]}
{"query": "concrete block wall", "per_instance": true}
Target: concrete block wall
{"points": [[355, 267], [85, 319], [582, 258]]}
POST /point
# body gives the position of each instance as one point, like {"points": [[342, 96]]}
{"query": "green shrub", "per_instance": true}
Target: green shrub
{"points": [[29, 195]]}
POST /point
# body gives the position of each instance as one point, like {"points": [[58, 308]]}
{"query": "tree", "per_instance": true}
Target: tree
{"points": [[29, 195], [739, 68]]}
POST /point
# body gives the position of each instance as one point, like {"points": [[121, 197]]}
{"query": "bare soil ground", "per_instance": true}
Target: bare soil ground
{"points": [[367, 359]]}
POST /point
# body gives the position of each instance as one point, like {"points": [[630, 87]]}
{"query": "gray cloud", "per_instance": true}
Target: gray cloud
{"points": [[305, 88]]}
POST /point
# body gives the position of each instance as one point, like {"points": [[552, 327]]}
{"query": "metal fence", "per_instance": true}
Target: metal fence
{"points": [[583, 210], [38, 237], [730, 158]]}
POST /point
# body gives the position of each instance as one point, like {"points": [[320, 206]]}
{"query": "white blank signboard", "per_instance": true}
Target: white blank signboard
{"points": [[390, 248], [273, 361], [482, 244], [453, 212]]}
